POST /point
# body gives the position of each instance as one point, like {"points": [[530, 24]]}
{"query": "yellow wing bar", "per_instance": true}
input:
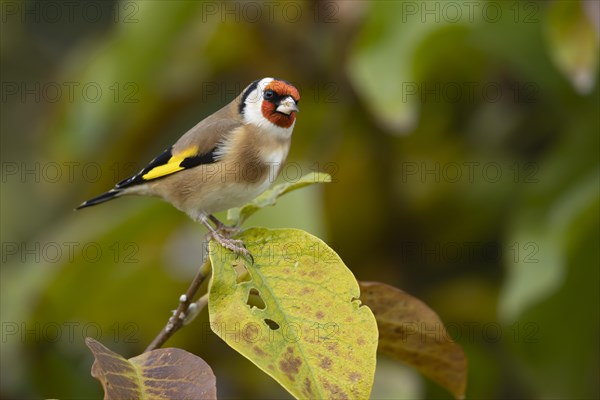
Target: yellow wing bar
{"points": [[173, 165]]}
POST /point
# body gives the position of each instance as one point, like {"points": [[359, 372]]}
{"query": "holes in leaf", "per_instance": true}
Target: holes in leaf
{"points": [[241, 272], [255, 300], [271, 324]]}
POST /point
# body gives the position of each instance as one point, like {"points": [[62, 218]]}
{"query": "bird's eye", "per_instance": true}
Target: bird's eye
{"points": [[269, 94]]}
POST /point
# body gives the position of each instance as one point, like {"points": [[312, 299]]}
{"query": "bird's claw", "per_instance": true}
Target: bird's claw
{"points": [[228, 231], [235, 245]]}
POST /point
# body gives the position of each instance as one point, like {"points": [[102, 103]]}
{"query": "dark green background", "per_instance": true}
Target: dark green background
{"points": [[463, 139]]}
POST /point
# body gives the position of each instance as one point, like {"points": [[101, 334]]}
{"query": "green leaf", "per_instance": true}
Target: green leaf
{"points": [[539, 245], [573, 41], [382, 64], [413, 333], [157, 374], [295, 313], [269, 197]]}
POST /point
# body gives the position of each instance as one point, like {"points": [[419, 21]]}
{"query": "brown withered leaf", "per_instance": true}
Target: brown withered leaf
{"points": [[413, 333], [158, 374]]}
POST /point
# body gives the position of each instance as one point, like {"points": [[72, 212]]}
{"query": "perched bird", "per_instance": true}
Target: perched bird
{"points": [[227, 159]]}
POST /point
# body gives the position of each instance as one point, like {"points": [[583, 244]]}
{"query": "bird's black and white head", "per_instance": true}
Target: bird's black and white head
{"points": [[272, 104]]}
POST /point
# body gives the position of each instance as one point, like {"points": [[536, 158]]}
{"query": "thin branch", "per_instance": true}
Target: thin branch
{"points": [[179, 316], [195, 308]]}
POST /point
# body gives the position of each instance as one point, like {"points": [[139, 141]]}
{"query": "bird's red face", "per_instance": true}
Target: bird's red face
{"points": [[280, 103]]}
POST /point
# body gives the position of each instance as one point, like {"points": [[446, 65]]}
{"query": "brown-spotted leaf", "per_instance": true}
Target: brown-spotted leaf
{"points": [[295, 313], [158, 374], [413, 333]]}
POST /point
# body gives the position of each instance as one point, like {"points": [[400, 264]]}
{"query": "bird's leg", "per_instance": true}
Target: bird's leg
{"points": [[237, 246], [222, 228]]}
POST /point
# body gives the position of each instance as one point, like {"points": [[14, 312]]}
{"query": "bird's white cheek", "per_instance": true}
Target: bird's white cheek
{"points": [[253, 113]]}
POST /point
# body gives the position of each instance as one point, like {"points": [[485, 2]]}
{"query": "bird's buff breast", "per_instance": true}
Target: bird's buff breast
{"points": [[220, 186]]}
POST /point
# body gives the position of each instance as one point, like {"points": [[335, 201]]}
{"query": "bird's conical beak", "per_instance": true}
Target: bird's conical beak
{"points": [[287, 105]]}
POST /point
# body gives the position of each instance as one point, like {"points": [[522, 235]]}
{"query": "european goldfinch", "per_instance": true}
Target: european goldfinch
{"points": [[224, 161]]}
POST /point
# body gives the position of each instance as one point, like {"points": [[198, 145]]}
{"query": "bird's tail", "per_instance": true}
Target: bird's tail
{"points": [[111, 194]]}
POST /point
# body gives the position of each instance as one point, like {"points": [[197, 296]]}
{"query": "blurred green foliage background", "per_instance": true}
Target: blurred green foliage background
{"points": [[463, 139]]}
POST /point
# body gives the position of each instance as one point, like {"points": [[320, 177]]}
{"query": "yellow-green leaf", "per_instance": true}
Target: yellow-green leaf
{"points": [[295, 313], [269, 197], [413, 333], [157, 374]]}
